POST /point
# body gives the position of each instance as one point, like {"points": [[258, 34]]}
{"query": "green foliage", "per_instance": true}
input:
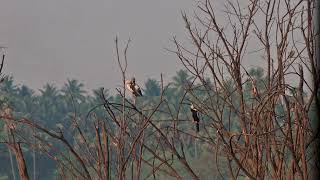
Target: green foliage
{"points": [[55, 109], [152, 88]]}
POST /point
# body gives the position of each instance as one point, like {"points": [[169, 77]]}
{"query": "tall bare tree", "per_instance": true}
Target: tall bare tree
{"points": [[275, 138], [258, 126]]}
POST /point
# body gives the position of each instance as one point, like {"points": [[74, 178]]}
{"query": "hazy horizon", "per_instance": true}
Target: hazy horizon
{"points": [[51, 41]]}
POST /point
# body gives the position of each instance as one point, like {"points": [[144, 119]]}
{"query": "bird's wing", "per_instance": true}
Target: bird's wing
{"points": [[129, 87], [138, 90]]}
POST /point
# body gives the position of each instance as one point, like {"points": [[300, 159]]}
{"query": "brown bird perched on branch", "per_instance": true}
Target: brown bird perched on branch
{"points": [[195, 116], [133, 87]]}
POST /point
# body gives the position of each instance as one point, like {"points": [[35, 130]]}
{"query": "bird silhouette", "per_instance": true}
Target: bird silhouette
{"points": [[195, 116]]}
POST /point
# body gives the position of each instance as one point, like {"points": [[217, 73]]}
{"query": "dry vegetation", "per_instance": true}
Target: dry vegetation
{"points": [[255, 127]]}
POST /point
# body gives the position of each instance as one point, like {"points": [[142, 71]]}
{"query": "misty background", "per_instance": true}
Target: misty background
{"points": [[50, 41]]}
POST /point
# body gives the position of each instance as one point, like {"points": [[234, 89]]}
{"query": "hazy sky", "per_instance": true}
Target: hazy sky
{"points": [[52, 40]]}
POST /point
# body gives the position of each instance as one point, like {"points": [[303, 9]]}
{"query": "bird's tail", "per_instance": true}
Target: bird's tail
{"points": [[198, 127]]}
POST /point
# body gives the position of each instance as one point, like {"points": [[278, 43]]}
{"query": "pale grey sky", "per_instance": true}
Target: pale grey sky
{"points": [[52, 40]]}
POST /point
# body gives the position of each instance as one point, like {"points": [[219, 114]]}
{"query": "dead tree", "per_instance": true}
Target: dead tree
{"points": [[260, 127], [279, 36]]}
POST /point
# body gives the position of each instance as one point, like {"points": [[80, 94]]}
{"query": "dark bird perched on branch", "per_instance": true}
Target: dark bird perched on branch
{"points": [[195, 116], [133, 87]]}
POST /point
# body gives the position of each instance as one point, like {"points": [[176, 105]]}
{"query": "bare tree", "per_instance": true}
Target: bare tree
{"points": [[260, 126], [269, 144]]}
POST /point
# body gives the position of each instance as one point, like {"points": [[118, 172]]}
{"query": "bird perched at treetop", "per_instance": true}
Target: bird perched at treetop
{"points": [[195, 116], [133, 87]]}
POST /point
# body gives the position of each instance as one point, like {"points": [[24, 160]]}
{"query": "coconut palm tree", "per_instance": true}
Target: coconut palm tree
{"points": [[75, 89], [8, 87], [26, 102], [97, 93], [73, 96], [8, 91], [181, 80], [49, 105], [152, 88]]}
